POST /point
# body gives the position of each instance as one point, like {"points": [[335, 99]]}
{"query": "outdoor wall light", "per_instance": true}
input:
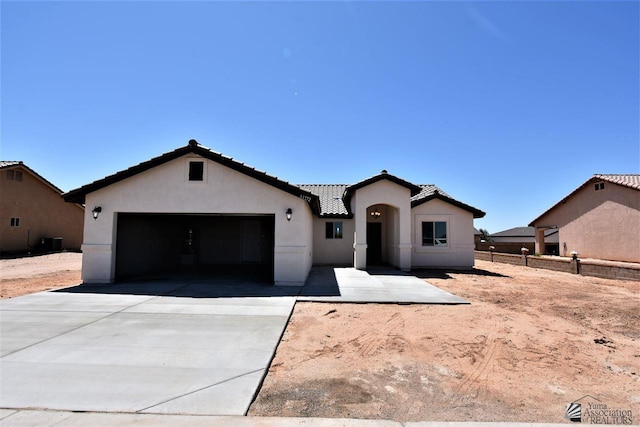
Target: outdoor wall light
{"points": [[96, 212], [289, 213]]}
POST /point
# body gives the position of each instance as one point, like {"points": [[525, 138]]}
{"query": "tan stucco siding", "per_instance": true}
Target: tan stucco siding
{"points": [[333, 251], [458, 253], [42, 212], [603, 224], [166, 189]]}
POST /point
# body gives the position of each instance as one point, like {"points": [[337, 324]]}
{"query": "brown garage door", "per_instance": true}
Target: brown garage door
{"points": [[149, 244]]}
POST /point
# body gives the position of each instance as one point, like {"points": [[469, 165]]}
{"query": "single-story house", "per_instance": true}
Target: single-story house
{"points": [[513, 239], [196, 208], [600, 219], [33, 215]]}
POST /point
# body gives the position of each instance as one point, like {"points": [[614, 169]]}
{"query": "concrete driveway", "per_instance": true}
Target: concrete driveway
{"points": [[137, 353], [198, 346]]}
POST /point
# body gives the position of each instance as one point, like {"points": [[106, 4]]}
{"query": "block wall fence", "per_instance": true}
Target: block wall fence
{"points": [[596, 268]]}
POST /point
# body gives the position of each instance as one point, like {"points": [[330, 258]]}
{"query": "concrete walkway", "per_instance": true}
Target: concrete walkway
{"points": [[377, 285]]}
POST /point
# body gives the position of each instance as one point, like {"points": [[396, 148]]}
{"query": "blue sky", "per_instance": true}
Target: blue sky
{"points": [[507, 106]]}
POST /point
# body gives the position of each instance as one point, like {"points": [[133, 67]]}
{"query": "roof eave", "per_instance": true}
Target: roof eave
{"points": [[78, 195], [477, 213]]}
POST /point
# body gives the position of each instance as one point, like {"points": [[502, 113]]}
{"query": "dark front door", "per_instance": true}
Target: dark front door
{"points": [[374, 243]]}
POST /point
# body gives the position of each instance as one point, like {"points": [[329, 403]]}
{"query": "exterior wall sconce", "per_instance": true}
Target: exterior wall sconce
{"points": [[289, 213], [375, 213], [96, 212]]}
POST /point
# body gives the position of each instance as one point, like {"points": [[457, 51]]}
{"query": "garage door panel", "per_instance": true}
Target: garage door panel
{"points": [[148, 244]]}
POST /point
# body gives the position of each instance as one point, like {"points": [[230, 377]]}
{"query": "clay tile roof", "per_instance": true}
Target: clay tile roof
{"points": [[331, 203], [628, 180], [7, 163]]}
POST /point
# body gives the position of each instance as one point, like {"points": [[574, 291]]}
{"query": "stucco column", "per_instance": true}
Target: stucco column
{"points": [[540, 248], [360, 240], [404, 245]]}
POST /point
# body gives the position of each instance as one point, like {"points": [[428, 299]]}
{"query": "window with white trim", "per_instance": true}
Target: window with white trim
{"points": [[15, 222], [434, 233]]}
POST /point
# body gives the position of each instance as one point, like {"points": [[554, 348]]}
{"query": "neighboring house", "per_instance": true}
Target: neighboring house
{"points": [[195, 208], [33, 215], [513, 239], [600, 219]]}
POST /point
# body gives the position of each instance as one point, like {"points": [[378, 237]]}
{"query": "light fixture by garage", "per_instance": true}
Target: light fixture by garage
{"points": [[289, 213], [96, 212]]}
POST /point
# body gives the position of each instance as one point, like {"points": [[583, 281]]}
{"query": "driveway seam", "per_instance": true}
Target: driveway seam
{"points": [[200, 389], [76, 328]]}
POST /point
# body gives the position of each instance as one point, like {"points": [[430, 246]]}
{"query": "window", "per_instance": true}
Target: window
{"points": [[15, 222], [14, 175], [196, 171], [333, 230], [434, 233], [599, 186]]}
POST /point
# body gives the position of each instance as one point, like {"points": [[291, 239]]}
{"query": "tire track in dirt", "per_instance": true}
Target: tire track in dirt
{"points": [[470, 387], [371, 343]]}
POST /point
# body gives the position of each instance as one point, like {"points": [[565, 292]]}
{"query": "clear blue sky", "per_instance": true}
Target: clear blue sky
{"points": [[507, 106]]}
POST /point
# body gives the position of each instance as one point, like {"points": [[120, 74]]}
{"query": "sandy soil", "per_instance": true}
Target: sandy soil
{"points": [[530, 342], [27, 275]]}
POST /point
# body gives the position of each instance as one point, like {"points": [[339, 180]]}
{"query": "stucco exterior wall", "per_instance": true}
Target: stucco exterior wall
{"points": [[333, 251], [603, 224], [42, 213], [166, 189], [459, 252], [384, 192]]}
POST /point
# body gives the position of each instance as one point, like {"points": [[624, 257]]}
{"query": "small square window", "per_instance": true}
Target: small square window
{"points": [[18, 176], [333, 230], [10, 175], [196, 171], [15, 222], [599, 186]]}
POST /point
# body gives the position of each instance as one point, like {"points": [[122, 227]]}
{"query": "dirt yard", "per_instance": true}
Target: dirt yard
{"points": [[530, 342], [27, 275]]}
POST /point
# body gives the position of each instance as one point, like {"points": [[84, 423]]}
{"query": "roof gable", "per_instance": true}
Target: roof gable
{"points": [[10, 164], [431, 192], [78, 195], [626, 180]]}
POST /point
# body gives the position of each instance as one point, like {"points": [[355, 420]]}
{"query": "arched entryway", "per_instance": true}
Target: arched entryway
{"points": [[382, 235]]}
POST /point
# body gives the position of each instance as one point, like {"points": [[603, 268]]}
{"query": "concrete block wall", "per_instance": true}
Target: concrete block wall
{"points": [[595, 268]]}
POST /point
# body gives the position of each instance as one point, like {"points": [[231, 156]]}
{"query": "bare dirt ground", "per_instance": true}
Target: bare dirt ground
{"points": [[530, 342], [21, 276]]}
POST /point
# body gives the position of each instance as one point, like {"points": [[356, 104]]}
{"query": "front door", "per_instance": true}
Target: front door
{"points": [[374, 243]]}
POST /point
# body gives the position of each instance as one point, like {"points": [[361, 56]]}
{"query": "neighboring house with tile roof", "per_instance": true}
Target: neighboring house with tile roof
{"points": [[513, 239], [193, 208], [600, 219], [33, 215]]}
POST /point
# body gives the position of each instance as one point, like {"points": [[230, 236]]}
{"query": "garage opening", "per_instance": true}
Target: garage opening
{"points": [[211, 245]]}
